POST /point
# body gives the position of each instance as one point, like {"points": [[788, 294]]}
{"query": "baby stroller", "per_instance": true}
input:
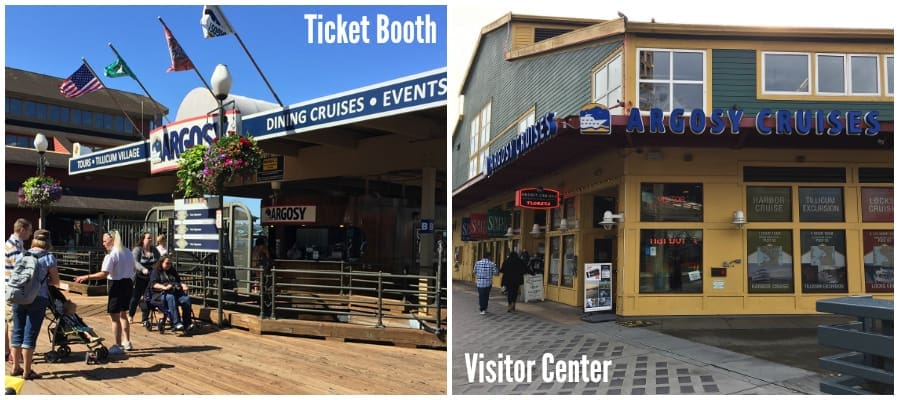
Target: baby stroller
{"points": [[63, 330]]}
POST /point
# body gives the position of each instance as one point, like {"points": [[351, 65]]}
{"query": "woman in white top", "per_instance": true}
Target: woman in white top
{"points": [[118, 269], [161, 245]]}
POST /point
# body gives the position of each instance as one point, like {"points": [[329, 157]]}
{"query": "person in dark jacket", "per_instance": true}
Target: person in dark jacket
{"points": [[513, 277]]}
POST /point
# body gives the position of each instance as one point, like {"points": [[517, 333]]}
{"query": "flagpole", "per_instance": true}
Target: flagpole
{"points": [[109, 92], [134, 76], [188, 58], [257, 68]]}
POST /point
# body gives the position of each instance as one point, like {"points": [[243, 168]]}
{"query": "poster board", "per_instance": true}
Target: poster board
{"points": [[533, 287], [598, 287]]}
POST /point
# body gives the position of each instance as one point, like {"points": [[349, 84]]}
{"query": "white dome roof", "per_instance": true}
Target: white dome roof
{"points": [[200, 102]]}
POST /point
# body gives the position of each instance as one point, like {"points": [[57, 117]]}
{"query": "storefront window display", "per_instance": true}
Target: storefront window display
{"points": [[569, 266], [820, 204], [671, 202], [554, 259], [770, 261], [670, 261], [878, 247], [823, 261], [877, 204], [769, 204]]}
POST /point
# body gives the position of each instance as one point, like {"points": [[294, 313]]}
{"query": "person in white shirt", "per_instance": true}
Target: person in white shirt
{"points": [[161, 245], [118, 268]]}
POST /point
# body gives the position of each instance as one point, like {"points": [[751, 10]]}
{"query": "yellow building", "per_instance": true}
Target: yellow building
{"points": [[745, 170]]}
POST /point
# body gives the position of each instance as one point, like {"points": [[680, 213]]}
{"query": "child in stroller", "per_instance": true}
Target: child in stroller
{"points": [[67, 327]]}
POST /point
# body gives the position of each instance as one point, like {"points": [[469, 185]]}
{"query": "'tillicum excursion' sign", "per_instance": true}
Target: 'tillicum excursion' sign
{"points": [[786, 122]]}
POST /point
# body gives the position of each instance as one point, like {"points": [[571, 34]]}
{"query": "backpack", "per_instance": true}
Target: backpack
{"points": [[23, 286]]}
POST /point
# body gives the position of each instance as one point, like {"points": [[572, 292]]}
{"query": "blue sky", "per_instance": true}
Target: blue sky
{"points": [[52, 40]]}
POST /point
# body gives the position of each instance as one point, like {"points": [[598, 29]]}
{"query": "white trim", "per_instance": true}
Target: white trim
{"points": [[849, 88], [887, 74], [671, 81], [808, 56]]}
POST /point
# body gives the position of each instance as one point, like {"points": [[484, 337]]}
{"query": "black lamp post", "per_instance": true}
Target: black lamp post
{"points": [[40, 144], [221, 85]]}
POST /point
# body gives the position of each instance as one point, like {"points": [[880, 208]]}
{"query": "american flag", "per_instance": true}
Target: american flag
{"points": [[83, 81], [180, 62]]}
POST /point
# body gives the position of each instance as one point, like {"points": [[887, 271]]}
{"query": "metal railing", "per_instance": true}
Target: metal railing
{"points": [[324, 291], [72, 264], [868, 366]]}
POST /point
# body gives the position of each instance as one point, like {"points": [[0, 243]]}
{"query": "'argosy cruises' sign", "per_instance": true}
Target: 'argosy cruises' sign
{"points": [[800, 122]]}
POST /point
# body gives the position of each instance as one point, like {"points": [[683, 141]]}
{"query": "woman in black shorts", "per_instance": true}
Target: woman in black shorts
{"points": [[118, 269]]}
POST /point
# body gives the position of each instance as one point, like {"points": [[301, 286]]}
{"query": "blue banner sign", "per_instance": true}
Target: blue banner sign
{"points": [[786, 122], [128, 154], [534, 135], [195, 225], [416, 92]]}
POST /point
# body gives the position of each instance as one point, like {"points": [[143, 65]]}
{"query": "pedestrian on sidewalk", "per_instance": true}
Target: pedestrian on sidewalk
{"points": [[484, 271], [118, 269], [513, 278], [14, 248]]}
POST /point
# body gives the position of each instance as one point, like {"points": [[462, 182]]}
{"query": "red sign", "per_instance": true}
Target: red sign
{"points": [[537, 198], [477, 226]]}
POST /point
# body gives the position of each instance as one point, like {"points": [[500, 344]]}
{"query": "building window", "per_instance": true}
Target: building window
{"points": [[864, 75], [770, 261], [670, 202], [562, 261], [670, 261], [86, 118], [526, 121], [107, 121], [13, 106], [670, 79], [888, 71], [480, 142], [878, 248], [831, 74], [786, 73], [877, 204], [769, 204], [20, 141], [31, 109], [823, 261], [607, 83], [839, 74]]}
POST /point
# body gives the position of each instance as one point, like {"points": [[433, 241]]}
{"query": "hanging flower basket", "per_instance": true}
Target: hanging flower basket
{"points": [[39, 191], [205, 170]]}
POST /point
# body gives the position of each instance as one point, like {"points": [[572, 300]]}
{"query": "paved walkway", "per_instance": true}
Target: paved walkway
{"points": [[643, 361]]}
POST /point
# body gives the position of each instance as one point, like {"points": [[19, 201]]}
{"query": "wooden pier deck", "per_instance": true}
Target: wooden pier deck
{"points": [[235, 361]]}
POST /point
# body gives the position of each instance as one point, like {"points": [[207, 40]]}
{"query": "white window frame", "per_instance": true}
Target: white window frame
{"points": [[479, 137], [849, 88], [671, 81], [888, 74], [808, 72], [604, 71]]}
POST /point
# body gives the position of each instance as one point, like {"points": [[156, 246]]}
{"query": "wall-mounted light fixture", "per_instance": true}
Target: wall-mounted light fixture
{"points": [[535, 231], [609, 219], [509, 232], [563, 225], [739, 219]]}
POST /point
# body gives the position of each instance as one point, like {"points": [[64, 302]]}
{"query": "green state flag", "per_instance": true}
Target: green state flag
{"points": [[118, 69]]}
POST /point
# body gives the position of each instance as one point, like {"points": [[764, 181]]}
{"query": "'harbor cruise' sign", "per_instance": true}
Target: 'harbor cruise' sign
{"points": [[545, 128], [800, 122]]}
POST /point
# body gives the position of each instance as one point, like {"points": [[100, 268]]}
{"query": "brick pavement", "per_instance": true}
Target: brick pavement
{"points": [[643, 361]]}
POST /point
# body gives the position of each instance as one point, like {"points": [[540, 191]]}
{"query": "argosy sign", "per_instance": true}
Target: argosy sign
{"points": [[168, 142]]}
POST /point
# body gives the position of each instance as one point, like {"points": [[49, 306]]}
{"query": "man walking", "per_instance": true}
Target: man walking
{"points": [[484, 271], [14, 248]]}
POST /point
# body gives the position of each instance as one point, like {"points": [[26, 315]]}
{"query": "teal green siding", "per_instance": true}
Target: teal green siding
{"points": [[734, 82], [558, 82]]}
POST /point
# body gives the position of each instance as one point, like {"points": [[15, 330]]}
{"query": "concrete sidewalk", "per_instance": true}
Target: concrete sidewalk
{"points": [[644, 361]]}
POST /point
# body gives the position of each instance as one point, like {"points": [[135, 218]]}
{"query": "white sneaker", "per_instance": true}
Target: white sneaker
{"points": [[116, 349], [127, 346], [483, 312]]}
